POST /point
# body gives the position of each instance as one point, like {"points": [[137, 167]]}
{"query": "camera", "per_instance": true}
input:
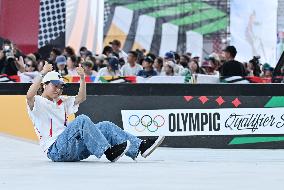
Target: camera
{"points": [[8, 52], [255, 60], [256, 65]]}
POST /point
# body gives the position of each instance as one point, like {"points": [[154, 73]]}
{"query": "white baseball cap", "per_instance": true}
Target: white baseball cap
{"points": [[53, 77]]}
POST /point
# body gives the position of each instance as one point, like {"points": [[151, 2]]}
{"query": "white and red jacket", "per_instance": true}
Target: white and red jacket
{"points": [[50, 118]]}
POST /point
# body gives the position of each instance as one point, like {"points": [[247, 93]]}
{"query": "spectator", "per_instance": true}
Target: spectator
{"points": [[140, 56], [88, 68], [93, 60], [83, 51], [169, 56], [116, 47], [68, 51], [148, 70], [52, 56], [158, 65], [61, 66], [215, 64], [254, 66], [37, 56], [194, 67], [184, 60], [107, 51], [131, 68], [31, 70], [86, 55], [72, 65], [232, 67], [114, 54], [208, 68], [264, 66], [177, 59], [9, 63], [100, 59], [169, 68], [121, 62], [196, 58], [40, 65], [188, 54], [31, 57], [112, 68], [153, 56], [267, 71], [213, 59]]}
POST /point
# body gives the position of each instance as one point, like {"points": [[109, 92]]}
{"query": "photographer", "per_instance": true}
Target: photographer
{"points": [[253, 67], [9, 63]]}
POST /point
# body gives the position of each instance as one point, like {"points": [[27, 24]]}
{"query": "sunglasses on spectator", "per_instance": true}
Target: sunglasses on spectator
{"points": [[27, 65]]}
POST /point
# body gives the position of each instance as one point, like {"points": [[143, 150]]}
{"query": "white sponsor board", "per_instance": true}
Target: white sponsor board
{"points": [[187, 122], [161, 79]]}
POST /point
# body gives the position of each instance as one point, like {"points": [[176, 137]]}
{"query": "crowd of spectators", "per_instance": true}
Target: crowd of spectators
{"points": [[113, 61]]}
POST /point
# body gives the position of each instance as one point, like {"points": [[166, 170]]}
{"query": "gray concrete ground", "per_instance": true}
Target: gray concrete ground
{"points": [[23, 166]]}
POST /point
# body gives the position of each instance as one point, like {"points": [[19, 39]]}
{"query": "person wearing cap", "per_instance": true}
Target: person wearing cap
{"points": [[70, 142], [116, 47], [232, 67], [131, 68], [112, 68], [267, 72], [100, 60], [171, 56], [148, 69], [61, 66], [208, 68]]}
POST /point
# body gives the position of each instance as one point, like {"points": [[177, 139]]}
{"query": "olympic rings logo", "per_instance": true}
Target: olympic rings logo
{"points": [[147, 122]]}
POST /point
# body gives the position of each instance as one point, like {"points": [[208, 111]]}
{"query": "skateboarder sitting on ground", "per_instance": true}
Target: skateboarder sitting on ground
{"points": [[77, 140]]}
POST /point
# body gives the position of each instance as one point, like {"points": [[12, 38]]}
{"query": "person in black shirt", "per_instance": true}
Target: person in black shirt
{"points": [[9, 59], [148, 70], [232, 67]]}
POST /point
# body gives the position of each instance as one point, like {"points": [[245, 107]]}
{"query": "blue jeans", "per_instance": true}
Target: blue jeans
{"points": [[83, 138]]}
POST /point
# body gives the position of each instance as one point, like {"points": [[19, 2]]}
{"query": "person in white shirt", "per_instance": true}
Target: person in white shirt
{"points": [[77, 140], [170, 56], [131, 68], [61, 66], [112, 68], [71, 65]]}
